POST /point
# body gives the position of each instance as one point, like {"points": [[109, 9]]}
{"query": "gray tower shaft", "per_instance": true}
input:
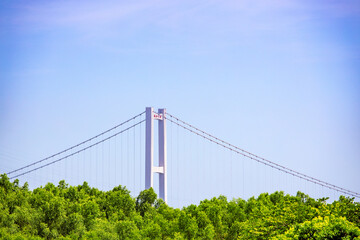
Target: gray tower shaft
{"points": [[150, 169]]}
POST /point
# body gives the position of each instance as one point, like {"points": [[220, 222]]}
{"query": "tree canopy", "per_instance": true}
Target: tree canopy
{"points": [[83, 212]]}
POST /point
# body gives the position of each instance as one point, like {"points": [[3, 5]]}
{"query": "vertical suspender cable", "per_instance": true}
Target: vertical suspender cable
{"points": [[108, 170], [171, 163], [78, 168], [53, 175], [206, 169], [265, 181], [140, 162], [115, 162], [122, 160], [90, 170], [65, 172], [83, 169], [128, 160], [102, 166], [97, 167], [231, 177], [134, 161], [177, 169], [225, 171], [198, 170], [243, 179]]}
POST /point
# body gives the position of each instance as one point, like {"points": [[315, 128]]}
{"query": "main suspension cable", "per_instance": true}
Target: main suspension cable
{"points": [[75, 146], [261, 158], [81, 150], [257, 158]]}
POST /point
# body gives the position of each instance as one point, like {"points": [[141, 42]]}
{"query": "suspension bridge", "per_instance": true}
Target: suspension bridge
{"points": [[183, 163]]}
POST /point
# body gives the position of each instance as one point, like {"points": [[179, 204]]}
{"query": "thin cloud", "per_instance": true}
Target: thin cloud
{"points": [[201, 26], [78, 14], [246, 15]]}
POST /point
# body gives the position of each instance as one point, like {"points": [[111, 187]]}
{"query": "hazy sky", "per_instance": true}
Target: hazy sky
{"points": [[278, 78]]}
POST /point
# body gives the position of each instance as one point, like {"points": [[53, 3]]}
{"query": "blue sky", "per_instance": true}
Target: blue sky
{"points": [[278, 78]]}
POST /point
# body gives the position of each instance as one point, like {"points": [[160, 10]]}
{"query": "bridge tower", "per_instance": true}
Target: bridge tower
{"points": [[150, 169]]}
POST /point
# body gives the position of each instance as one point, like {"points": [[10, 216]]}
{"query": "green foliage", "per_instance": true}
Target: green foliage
{"points": [[82, 212], [145, 201], [329, 227]]}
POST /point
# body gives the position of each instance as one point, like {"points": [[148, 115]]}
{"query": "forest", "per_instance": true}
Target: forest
{"points": [[83, 212]]}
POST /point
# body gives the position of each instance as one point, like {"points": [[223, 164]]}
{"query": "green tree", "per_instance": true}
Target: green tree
{"points": [[81, 212], [329, 227], [145, 200]]}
